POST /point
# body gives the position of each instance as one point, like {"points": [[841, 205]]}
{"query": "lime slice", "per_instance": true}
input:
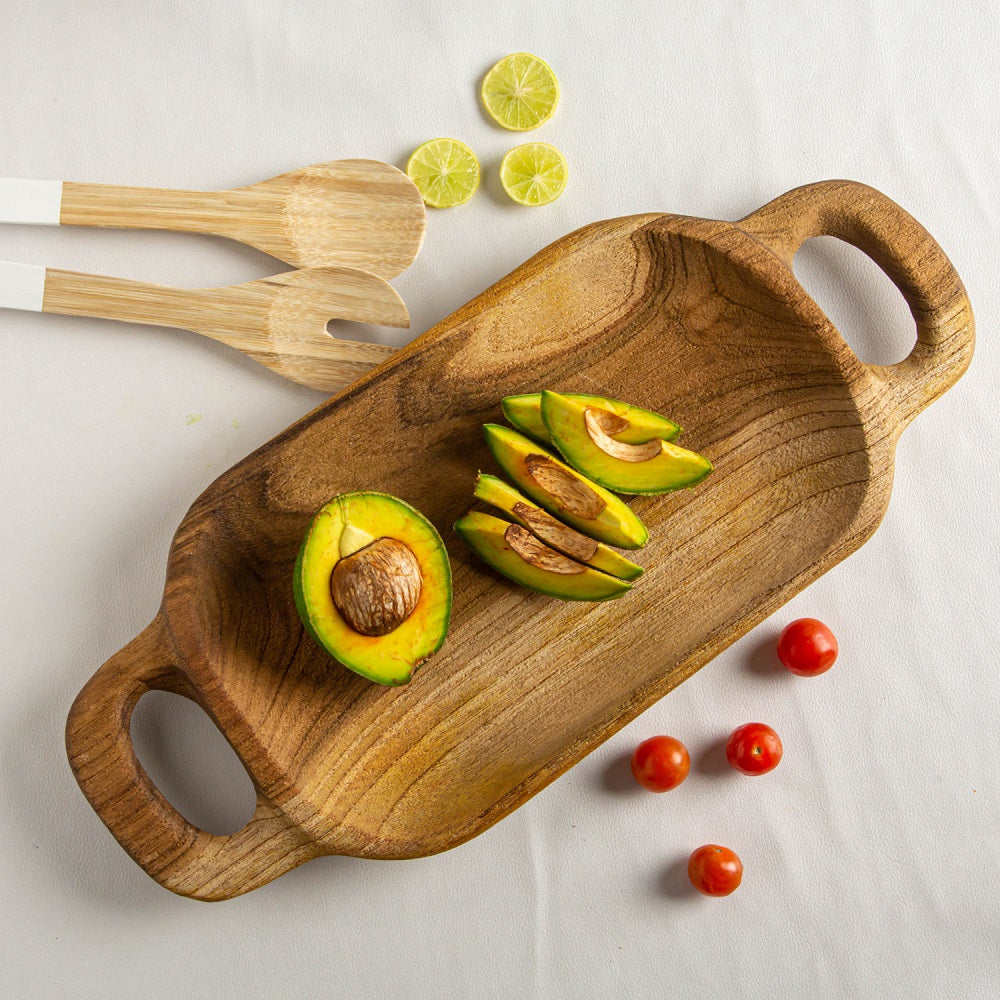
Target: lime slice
{"points": [[520, 92], [445, 171], [533, 173]]}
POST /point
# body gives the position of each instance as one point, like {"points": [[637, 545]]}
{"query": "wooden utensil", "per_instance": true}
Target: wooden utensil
{"points": [[698, 319], [354, 213], [279, 321]]}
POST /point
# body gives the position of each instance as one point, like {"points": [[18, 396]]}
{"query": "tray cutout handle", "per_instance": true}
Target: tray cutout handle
{"points": [[174, 852], [910, 257]]}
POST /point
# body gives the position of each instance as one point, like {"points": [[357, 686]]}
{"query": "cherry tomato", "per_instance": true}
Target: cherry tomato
{"points": [[754, 748], [715, 870], [807, 647], [660, 763]]}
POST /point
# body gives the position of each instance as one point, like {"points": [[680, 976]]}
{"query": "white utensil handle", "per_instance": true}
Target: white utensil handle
{"points": [[22, 286], [30, 203]]}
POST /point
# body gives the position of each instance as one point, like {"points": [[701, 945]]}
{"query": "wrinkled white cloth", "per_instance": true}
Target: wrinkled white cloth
{"points": [[870, 854]]}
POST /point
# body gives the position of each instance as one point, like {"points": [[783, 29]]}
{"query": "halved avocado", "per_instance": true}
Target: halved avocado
{"points": [[552, 531], [525, 413], [563, 491], [516, 553], [594, 438], [372, 585]]}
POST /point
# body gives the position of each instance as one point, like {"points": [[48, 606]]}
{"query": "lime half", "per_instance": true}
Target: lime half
{"points": [[445, 171], [520, 92], [534, 173]]}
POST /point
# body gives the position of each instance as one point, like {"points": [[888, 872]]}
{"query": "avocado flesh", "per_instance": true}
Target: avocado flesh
{"points": [[499, 494], [525, 413], [333, 534], [670, 469], [487, 537], [599, 514]]}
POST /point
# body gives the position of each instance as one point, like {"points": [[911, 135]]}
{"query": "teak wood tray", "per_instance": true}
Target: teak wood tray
{"points": [[697, 319]]}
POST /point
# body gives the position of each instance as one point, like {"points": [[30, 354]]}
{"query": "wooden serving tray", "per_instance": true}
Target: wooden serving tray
{"points": [[698, 319]]}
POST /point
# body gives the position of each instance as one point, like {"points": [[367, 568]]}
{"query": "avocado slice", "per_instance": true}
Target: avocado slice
{"points": [[553, 532], [516, 553], [525, 413], [372, 585], [593, 438], [563, 491]]}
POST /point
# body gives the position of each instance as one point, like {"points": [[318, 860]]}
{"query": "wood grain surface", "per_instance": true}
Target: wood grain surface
{"points": [[355, 213], [697, 319], [281, 322]]}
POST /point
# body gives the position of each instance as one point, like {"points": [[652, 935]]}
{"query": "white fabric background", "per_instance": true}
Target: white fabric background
{"points": [[871, 853]]}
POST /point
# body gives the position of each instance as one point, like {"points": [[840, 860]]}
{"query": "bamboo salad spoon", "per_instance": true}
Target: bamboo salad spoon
{"points": [[354, 213], [280, 322]]}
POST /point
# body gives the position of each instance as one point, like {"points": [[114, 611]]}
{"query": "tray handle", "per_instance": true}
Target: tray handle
{"points": [[909, 256], [166, 846]]}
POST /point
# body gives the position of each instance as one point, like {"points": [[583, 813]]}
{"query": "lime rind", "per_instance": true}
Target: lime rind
{"points": [[534, 173], [520, 92], [445, 172]]}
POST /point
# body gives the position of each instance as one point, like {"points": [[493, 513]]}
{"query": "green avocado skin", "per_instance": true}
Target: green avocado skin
{"points": [[484, 534], [300, 597]]}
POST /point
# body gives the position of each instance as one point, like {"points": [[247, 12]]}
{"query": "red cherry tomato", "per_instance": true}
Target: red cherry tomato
{"points": [[754, 748], [660, 763], [715, 870], [807, 647]]}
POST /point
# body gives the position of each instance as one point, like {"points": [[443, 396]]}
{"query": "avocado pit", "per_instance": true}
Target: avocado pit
{"points": [[553, 532], [572, 494], [601, 424], [377, 587], [535, 552]]}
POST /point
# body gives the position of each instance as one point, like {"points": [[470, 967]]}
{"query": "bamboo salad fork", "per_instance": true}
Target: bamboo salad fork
{"points": [[351, 213], [280, 321]]}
